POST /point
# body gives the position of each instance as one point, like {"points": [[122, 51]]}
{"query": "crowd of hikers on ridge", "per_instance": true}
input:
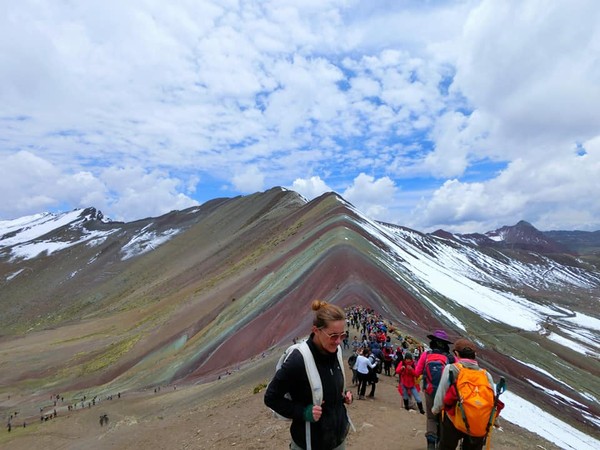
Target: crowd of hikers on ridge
{"points": [[459, 399]]}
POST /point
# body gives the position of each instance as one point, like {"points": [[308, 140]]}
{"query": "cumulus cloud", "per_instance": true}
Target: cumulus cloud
{"points": [[371, 195], [35, 184], [249, 179], [236, 97], [552, 193], [310, 188], [28, 184], [135, 192], [526, 65], [531, 97]]}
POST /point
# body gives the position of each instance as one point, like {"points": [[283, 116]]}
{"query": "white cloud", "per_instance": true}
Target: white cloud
{"points": [[551, 192], [254, 94], [27, 183], [248, 179], [372, 196], [35, 184], [308, 93], [311, 187], [136, 192], [527, 64], [525, 71]]}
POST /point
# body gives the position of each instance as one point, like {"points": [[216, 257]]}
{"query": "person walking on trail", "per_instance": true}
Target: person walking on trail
{"points": [[374, 372], [387, 360], [346, 343], [430, 367], [289, 392], [448, 395], [356, 344], [363, 364], [352, 364], [406, 370]]}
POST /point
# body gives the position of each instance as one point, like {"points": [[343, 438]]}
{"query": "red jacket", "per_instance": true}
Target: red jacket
{"points": [[387, 354], [406, 370]]}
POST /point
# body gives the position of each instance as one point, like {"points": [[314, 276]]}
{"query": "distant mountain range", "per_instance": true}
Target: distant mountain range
{"points": [[524, 236], [190, 294]]}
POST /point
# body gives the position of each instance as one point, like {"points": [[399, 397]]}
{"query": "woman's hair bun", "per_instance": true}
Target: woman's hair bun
{"points": [[317, 304]]}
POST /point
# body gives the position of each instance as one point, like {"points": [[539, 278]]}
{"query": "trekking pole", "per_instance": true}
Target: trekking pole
{"points": [[500, 388]]}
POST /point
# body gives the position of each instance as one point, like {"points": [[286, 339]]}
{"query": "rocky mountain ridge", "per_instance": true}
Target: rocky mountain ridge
{"points": [[133, 305]]}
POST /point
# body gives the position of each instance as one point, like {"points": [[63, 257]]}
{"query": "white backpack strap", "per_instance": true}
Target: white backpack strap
{"points": [[341, 361], [314, 380], [312, 373], [286, 354]]}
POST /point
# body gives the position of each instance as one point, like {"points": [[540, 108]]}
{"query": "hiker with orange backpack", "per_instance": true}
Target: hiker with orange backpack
{"points": [[430, 366], [467, 400]]}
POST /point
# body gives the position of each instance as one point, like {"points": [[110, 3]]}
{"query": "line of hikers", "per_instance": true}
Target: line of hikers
{"points": [[374, 353], [461, 403], [45, 416], [451, 381]]}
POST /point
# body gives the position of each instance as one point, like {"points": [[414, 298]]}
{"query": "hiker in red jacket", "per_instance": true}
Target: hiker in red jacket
{"points": [[387, 360], [406, 370]]}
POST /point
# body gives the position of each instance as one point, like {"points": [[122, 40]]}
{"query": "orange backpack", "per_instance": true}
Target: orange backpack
{"points": [[474, 411]]}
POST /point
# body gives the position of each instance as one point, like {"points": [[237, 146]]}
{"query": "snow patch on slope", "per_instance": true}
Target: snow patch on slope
{"points": [[14, 274], [441, 274], [146, 241], [30, 250], [555, 394], [538, 421], [22, 237], [32, 227], [571, 345]]}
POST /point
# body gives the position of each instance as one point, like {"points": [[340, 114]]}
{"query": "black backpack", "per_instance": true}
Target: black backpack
{"points": [[352, 360], [378, 365]]}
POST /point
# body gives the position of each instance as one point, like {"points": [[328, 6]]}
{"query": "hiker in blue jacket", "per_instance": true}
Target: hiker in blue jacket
{"points": [[329, 423]]}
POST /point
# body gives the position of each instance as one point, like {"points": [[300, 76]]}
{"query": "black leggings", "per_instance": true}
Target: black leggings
{"points": [[363, 380], [450, 436]]}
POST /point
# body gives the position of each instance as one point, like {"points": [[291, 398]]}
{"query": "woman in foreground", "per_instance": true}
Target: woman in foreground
{"points": [[289, 393]]}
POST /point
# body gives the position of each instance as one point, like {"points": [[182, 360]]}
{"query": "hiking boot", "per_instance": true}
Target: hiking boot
{"points": [[406, 405], [361, 397], [421, 410], [431, 442]]}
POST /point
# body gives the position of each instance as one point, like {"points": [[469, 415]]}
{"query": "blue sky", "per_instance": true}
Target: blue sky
{"points": [[463, 115]]}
